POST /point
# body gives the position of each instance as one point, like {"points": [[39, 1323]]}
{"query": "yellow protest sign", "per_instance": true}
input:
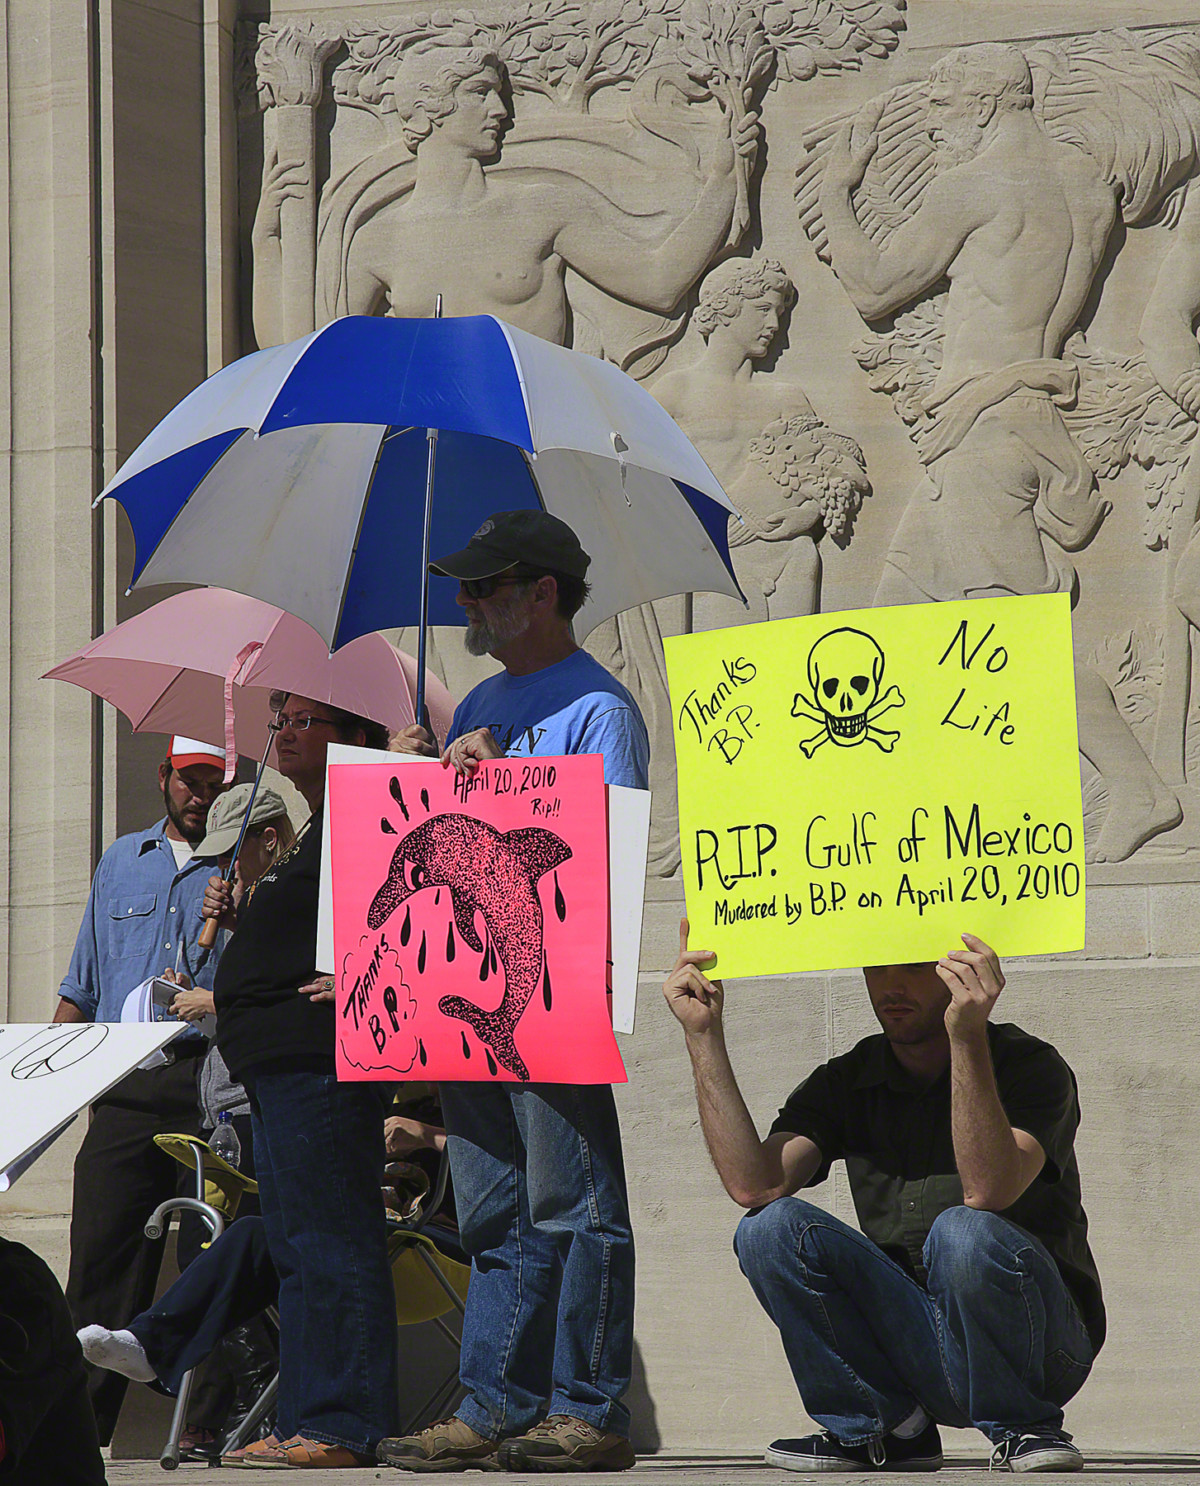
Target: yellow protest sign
{"points": [[860, 788]]}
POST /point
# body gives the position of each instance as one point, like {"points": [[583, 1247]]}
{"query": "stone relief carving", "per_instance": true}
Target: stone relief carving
{"points": [[792, 478], [595, 172], [586, 217], [1007, 173], [631, 200], [290, 67]]}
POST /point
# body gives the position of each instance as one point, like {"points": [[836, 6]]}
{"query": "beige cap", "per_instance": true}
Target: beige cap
{"points": [[227, 812]]}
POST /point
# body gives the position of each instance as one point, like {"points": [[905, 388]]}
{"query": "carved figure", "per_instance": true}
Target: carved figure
{"points": [[845, 672], [721, 395], [444, 212], [584, 226], [645, 171], [1019, 223], [493, 874], [1169, 339], [441, 212], [799, 479]]}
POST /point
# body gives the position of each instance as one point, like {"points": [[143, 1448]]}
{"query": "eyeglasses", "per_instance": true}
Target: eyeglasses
{"points": [[484, 588], [298, 724]]}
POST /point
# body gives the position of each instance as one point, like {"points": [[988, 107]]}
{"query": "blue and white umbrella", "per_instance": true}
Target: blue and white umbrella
{"points": [[299, 474]]}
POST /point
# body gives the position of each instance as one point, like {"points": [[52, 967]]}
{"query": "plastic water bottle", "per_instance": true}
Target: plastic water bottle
{"points": [[224, 1140]]}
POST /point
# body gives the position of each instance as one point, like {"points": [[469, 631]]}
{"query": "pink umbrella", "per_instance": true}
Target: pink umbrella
{"points": [[204, 663], [172, 668]]}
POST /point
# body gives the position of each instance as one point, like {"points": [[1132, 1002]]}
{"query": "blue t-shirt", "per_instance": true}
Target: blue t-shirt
{"points": [[574, 706]]}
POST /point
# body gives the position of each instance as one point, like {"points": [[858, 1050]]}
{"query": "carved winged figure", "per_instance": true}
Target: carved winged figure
{"points": [[1005, 174]]}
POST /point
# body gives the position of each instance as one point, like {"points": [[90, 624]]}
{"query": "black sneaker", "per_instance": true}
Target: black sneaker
{"points": [[1036, 1452], [821, 1452]]}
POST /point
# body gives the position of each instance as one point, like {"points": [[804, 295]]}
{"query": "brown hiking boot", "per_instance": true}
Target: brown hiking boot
{"points": [[448, 1445], [565, 1444]]}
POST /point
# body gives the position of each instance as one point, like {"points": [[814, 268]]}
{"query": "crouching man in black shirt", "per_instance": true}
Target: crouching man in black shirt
{"points": [[970, 1298]]}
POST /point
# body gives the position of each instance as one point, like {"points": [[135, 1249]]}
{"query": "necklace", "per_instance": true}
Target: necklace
{"points": [[279, 860]]}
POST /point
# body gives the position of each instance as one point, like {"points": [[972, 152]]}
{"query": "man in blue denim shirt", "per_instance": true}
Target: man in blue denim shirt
{"points": [[142, 919], [539, 1182], [970, 1296]]}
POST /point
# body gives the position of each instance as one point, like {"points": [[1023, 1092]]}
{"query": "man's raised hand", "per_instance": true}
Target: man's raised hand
{"points": [[974, 979], [854, 148], [695, 1001]]}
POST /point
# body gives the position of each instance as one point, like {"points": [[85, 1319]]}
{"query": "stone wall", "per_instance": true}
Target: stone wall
{"points": [[924, 364]]}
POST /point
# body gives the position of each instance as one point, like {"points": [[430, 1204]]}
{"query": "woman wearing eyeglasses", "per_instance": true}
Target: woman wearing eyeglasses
{"points": [[318, 1143]]}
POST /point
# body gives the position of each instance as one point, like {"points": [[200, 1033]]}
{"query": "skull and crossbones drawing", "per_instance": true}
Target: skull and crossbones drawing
{"points": [[845, 671]]}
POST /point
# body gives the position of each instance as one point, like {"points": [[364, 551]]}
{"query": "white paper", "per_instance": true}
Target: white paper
{"points": [[151, 1002], [49, 1072], [628, 844]]}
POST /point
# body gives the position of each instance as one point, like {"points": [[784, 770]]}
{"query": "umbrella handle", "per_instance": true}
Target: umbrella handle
{"points": [[208, 934]]}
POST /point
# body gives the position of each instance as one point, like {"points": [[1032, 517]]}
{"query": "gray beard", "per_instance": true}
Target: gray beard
{"points": [[483, 638]]}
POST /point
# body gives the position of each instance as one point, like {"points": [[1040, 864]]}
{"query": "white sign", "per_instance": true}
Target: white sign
{"points": [[628, 842], [48, 1073]]}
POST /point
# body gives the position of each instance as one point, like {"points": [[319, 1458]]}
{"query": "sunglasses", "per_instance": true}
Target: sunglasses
{"points": [[484, 588]]}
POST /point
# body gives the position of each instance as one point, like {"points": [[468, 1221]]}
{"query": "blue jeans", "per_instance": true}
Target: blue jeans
{"points": [[539, 1185], [318, 1149], [225, 1286], [994, 1341]]}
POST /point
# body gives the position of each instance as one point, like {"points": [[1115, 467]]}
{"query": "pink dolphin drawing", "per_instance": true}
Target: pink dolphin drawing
{"points": [[493, 873]]}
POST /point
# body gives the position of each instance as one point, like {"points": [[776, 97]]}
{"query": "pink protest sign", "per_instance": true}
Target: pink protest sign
{"points": [[470, 921]]}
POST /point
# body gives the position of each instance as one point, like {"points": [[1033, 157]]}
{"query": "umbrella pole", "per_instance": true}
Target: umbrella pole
{"points": [[208, 934], [431, 435]]}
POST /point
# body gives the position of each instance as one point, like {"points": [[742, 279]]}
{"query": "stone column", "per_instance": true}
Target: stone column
{"points": [[48, 352]]}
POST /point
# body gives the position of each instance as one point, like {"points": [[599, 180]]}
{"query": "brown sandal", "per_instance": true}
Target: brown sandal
{"points": [[257, 1450], [305, 1454]]}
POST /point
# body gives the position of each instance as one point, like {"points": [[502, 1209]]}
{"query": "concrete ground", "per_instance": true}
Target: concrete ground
{"points": [[709, 1470]]}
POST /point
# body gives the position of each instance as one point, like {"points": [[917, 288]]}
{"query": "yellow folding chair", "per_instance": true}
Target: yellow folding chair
{"points": [[219, 1189], [429, 1283]]}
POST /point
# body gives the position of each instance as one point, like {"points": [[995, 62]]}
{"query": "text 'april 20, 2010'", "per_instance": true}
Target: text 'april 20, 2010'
{"points": [[860, 788]]}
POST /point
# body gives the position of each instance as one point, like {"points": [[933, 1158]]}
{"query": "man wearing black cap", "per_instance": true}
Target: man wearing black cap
{"points": [[538, 1175]]}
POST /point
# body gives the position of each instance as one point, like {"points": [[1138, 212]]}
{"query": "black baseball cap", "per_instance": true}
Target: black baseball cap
{"points": [[534, 538]]}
